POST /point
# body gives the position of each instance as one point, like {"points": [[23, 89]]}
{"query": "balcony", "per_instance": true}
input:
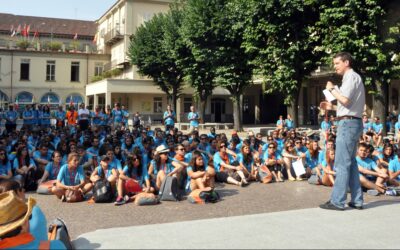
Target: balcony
{"points": [[113, 37]]}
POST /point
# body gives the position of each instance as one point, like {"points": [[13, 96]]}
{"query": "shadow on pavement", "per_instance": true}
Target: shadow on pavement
{"points": [[83, 243], [374, 204], [227, 192]]}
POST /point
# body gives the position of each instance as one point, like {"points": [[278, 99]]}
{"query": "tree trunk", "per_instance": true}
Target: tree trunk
{"points": [[203, 103], [380, 104], [236, 113], [294, 106], [174, 98]]}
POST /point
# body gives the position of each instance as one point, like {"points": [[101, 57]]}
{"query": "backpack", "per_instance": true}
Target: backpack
{"points": [[169, 189], [102, 192], [202, 196], [58, 231]]}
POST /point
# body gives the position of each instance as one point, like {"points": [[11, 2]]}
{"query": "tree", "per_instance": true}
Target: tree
{"points": [[281, 36], [214, 33], [149, 53], [364, 29]]}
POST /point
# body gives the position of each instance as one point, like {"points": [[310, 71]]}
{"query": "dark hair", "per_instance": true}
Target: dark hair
{"points": [[27, 158], [345, 56], [9, 185], [192, 163], [129, 163], [5, 156], [248, 157]]}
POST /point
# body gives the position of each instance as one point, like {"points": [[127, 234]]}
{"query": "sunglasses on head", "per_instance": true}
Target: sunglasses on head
{"points": [[272, 147], [222, 146]]}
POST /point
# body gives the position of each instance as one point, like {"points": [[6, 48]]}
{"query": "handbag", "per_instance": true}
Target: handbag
{"points": [[73, 196], [142, 199]]}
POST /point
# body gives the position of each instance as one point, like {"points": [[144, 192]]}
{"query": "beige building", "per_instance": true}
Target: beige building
{"points": [[57, 62]]}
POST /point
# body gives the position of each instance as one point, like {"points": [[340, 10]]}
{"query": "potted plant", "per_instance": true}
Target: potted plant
{"points": [[23, 44], [55, 46]]}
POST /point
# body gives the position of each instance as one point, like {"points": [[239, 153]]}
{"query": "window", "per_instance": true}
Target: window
{"points": [[157, 105], [187, 102], [75, 72], [98, 69], [0, 69], [51, 71], [25, 69]]}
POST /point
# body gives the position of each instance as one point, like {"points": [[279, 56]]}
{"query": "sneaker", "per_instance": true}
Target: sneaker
{"points": [[127, 198], [329, 206], [372, 192], [391, 192], [119, 201], [63, 198]]}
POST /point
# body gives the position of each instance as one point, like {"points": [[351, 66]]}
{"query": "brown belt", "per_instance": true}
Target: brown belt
{"points": [[347, 117]]}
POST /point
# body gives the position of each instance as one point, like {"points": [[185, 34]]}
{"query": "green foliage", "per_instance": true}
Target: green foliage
{"points": [[97, 78], [54, 46], [213, 31], [116, 72], [23, 44], [281, 36], [361, 28], [75, 45], [154, 57]]}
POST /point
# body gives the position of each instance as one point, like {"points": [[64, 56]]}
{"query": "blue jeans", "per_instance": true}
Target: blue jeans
{"points": [[347, 175]]}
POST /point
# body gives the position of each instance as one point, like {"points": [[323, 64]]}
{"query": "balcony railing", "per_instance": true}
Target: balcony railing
{"points": [[113, 36]]}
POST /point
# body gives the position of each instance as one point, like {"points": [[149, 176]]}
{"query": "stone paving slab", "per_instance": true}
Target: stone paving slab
{"points": [[371, 228]]}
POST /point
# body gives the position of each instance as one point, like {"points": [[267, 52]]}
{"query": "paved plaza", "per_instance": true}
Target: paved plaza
{"points": [[287, 214]]}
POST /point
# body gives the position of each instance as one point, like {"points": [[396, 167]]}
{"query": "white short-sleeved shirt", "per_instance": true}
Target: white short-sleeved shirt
{"points": [[352, 88]]}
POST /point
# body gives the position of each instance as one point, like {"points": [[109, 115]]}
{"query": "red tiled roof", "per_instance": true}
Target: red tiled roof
{"points": [[48, 25]]}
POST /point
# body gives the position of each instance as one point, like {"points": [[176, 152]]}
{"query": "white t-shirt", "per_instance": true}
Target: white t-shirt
{"points": [[83, 114]]}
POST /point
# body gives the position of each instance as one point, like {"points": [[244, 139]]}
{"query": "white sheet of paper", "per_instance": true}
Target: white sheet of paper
{"points": [[328, 95], [298, 168]]}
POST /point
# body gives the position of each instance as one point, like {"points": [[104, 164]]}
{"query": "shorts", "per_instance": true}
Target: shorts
{"points": [[221, 177]]}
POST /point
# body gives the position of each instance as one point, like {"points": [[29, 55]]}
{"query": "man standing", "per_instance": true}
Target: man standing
{"points": [[11, 117], [351, 100], [193, 118]]}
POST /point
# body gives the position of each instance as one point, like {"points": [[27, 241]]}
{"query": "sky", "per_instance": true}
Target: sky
{"points": [[69, 9]]}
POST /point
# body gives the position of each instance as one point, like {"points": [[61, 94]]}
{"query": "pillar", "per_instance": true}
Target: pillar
{"points": [[108, 99]]}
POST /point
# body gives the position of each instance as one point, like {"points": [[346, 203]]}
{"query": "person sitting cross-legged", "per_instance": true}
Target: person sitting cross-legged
{"points": [[371, 177]]}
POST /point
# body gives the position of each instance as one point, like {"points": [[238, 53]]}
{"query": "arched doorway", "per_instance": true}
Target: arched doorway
{"points": [[74, 99], [50, 99], [3, 100], [24, 98]]}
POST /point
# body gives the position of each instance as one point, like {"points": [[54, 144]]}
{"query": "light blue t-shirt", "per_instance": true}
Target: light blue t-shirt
{"points": [[195, 116], [72, 178], [38, 224], [394, 166], [377, 127], [218, 160], [170, 120], [52, 170], [240, 159], [5, 168]]}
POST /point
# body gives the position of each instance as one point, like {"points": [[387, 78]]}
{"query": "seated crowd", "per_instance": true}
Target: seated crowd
{"points": [[76, 157]]}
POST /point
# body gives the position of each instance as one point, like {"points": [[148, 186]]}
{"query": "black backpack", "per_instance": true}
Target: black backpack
{"points": [[102, 192], [169, 189]]}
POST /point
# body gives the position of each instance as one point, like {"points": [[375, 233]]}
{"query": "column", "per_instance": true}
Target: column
{"points": [[108, 99], [95, 100]]}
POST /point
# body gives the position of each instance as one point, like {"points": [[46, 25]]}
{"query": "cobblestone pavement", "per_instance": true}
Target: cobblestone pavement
{"points": [[255, 199]]}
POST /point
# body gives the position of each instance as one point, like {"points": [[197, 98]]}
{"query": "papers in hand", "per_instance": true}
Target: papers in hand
{"points": [[298, 167], [328, 95]]}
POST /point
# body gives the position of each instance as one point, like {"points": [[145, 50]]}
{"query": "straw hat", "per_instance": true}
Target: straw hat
{"points": [[13, 211], [162, 149]]}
